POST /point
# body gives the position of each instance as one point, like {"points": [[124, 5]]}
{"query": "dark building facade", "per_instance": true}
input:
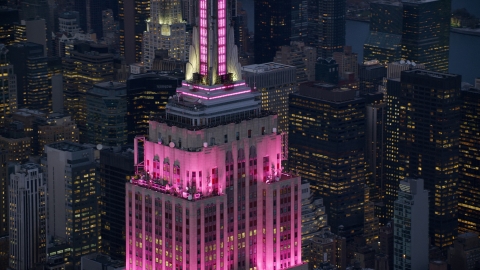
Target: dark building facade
{"points": [[147, 96], [370, 75], [106, 114], [326, 70], [31, 69], [331, 27], [423, 120], [423, 38], [115, 169], [7, 19], [86, 66], [326, 147], [384, 40], [469, 178], [273, 28], [90, 15], [133, 15], [410, 30]]}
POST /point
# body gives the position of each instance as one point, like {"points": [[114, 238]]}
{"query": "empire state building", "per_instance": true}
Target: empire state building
{"points": [[210, 191]]}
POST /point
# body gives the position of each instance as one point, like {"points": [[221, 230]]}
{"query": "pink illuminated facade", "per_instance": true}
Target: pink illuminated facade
{"points": [[210, 192]]}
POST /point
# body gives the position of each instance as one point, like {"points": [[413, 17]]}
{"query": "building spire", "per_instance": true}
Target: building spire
{"points": [[213, 54]]}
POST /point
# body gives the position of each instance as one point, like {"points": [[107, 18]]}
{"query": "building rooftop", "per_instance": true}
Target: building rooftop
{"points": [[388, 2], [327, 92], [105, 261], [265, 67], [67, 146]]}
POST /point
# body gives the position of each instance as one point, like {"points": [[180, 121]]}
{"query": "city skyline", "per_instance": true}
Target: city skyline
{"points": [[195, 134]]}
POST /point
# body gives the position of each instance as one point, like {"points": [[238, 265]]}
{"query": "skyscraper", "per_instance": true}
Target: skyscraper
{"points": [[31, 70], [422, 141], [300, 56], [410, 30], [106, 116], [74, 193], [272, 28], [115, 168], [7, 19], [211, 181], [370, 75], [423, 37], [87, 65], [147, 97], [331, 28], [28, 229], [8, 87], [165, 30], [384, 40], [468, 189], [90, 15], [411, 222], [133, 15], [3, 194], [275, 82], [326, 146]]}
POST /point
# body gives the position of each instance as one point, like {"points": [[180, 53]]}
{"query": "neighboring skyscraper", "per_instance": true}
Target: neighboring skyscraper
{"points": [[4, 251], [370, 221], [31, 70], [411, 30], [327, 251], [411, 222], [314, 220], [424, 39], [4, 177], [385, 243], [90, 15], [326, 146], [347, 63], [300, 56], [384, 40], [107, 114], [371, 74], [468, 188], [375, 118], [394, 69], [272, 28], [423, 123], [465, 253], [326, 70], [115, 168], [17, 147], [8, 87], [28, 229], [68, 22], [133, 15], [40, 13], [331, 28], [88, 64], [32, 30], [166, 30], [73, 198], [275, 82], [147, 96], [110, 29], [211, 179], [54, 128], [8, 18], [242, 35]]}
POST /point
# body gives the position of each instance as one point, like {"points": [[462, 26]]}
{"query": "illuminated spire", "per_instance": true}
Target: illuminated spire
{"points": [[213, 54]]}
